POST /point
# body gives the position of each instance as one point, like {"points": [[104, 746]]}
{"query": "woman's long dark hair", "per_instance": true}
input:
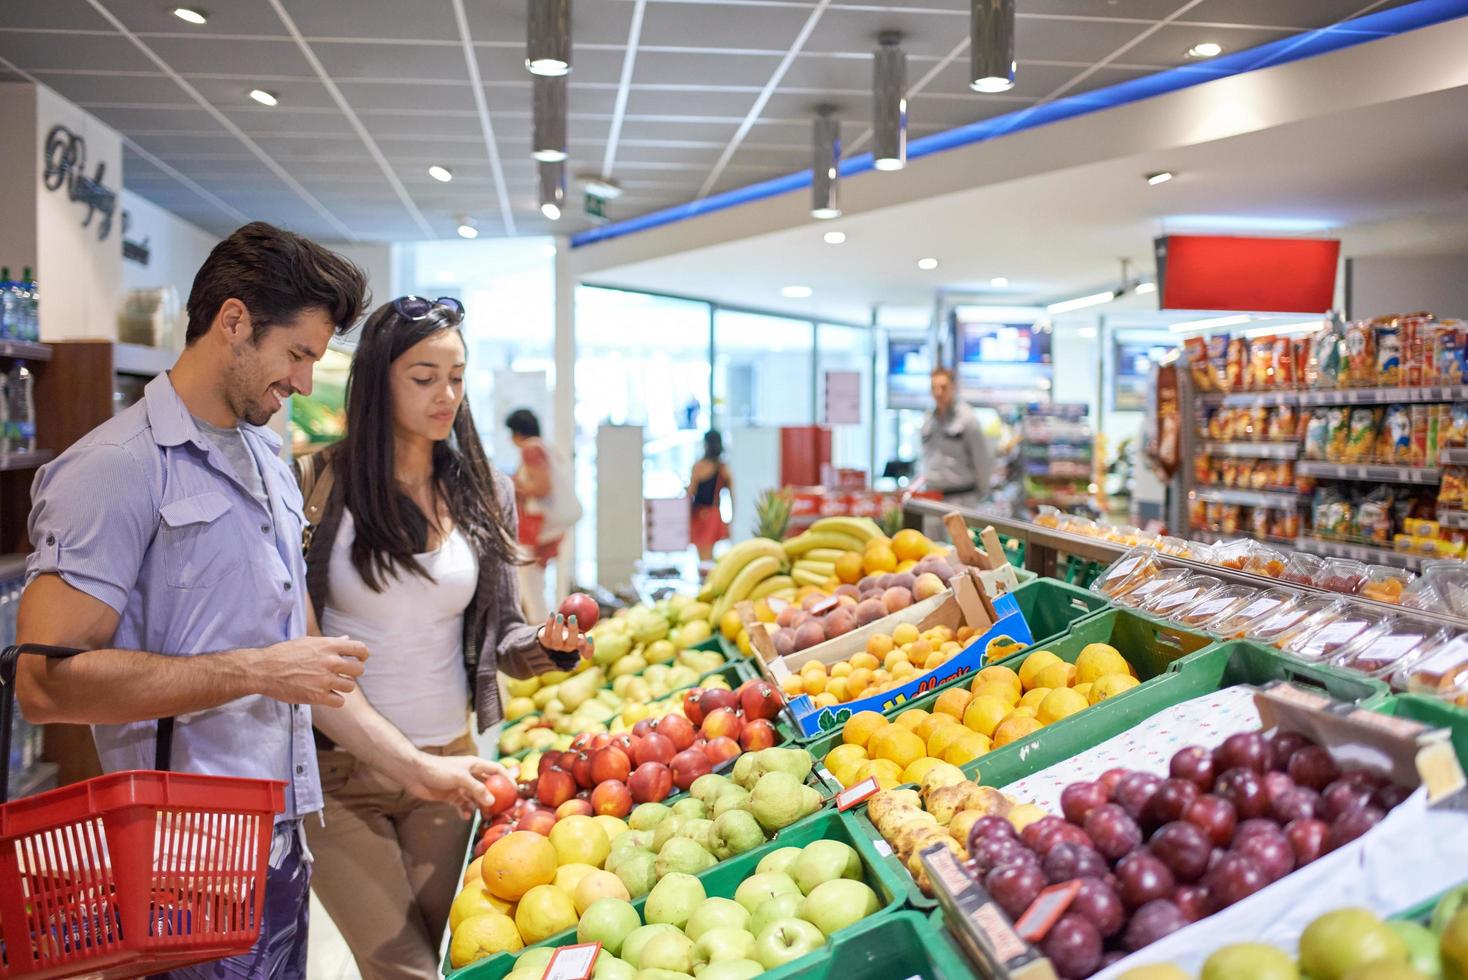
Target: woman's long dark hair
{"points": [[391, 529]]}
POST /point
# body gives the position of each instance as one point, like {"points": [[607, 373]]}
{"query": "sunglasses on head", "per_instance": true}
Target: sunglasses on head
{"points": [[418, 308]]}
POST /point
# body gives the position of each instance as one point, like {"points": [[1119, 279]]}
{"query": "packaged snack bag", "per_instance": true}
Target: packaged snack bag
{"points": [[1200, 369], [1338, 427], [1300, 351], [1324, 360], [1259, 522], [1284, 474], [1388, 354], [1435, 416], [1283, 423], [1283, 363], [1360, 344], [1286, 524], [1236, 367], [1374, 516], [1456, 433], [1394, 443], [1197, 514], [1418, 456], [1453, 491], [1218, 360], [1233, 519], [1317, 434], [1361, 440], [1202, 469], [1261, 362]]}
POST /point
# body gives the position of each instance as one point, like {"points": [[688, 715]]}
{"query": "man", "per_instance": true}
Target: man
{"points": [[176, 528], [957, 460]]}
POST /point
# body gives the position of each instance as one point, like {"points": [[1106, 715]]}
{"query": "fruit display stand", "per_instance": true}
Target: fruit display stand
{"points": [[907, 944], [723, 880]]}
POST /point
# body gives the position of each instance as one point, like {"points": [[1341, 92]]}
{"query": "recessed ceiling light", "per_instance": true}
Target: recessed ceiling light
{"points": [[551, 211], [443, 174], [467, 229], [834, 237], [263, 97], [1160, 177], [926, 264], [1205, 49], [1143, 288], [999, 282], [190, 14], [796, 292]]}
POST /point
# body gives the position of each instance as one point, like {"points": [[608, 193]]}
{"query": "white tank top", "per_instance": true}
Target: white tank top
{"points": [[414, 632]]}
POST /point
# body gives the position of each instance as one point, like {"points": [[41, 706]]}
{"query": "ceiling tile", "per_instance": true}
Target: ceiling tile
{"points": [[368, 96], [426, 124], [320, 149], [436, 62], [717, 131], [923, 32], [592, 22], [220, 56], [667, 68], [417, 20], [1169, 46], [690, 102], [235, 17], [233, 94], [68, 15], [1086, 41], [1090, 9], [68, 51], [185, 147], [705, 157], [508, 64], [929, 112], [280, 122], [850, 109], [134, 119], [1031, 82], [86, 90], [1314, 13], [828, 74], [751, 28]]}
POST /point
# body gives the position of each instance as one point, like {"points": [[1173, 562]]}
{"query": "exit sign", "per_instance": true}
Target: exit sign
{"points": [[596, 208]]}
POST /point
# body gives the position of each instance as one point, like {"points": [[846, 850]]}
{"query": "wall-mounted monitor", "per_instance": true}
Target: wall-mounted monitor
{"points": [[909, 365], [1002, 362]]}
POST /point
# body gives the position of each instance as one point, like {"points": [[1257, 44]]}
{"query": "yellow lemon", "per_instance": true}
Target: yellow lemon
{"points": [[1056, 675], [1034, 696], [1025, 814], [931, 724], [860, 727], [483, 935], [1084, 690], [730, 624], [911, 718], [1060, 703], [945, 736], [474, 900], [888, 775], [915, 772], [1098, 660], [896, 744], [966, 748], [999, 675], [1009, 695], [843, 761], [1111, 685], [984, 713], [1014, 728], [848, 568], [1034, 663], [1027, 711]]}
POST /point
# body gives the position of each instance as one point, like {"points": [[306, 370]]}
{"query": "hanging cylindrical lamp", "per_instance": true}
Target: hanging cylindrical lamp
{"points": [[991, 46], [552, 189], [825, 169], [548, 41], [548, 110], [889, 105]]}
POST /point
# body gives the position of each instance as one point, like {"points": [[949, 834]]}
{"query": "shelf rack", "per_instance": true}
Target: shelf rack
{"points": [[1276, 499], [1252, 450], [1369, 472], [1359, 552]]}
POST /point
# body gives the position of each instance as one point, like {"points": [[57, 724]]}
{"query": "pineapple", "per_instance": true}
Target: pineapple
{"points": [[772, 514]]}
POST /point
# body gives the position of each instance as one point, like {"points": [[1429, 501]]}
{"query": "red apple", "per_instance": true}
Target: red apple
{"points": [[611, 799], [581, 742], [539, 822], [715, 698], [760, 699], [581, 770], [502, 791], [655, 748], [575, 807], [610, 763], [651, 782], [687, 766], [691, 710], [757, 734], [567, 761], [602, 740], [721, 749], [548, 761], [555, 787], [676, 729], [642, 728], [623, 741], [583, 607], [493, 834], [722, 721]]}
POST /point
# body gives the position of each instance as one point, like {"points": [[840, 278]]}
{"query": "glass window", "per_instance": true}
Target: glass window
{"points": [[848, 349], [762, 370]]}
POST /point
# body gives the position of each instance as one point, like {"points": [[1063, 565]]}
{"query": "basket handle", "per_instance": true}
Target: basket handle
{"points": [[9, 661]]}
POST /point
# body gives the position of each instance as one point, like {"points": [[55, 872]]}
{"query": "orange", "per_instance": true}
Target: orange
{"points": [[1005, 693], [544, 911], [1013, 728], [952, 702], [843, 761], [471, 873], [879, 559], [931, 724], [1001, 675], [1110, 685], [904, 633], [1056, 675], [910, 544], [848, 568], [483, 935], [860, 728], [1033, 697], [984, 713], [518, 862], [897, 745], [867, 661], [1032, 666], [966, 748], [1097, 660], [939, 741], [474, 900], [911, 718]]}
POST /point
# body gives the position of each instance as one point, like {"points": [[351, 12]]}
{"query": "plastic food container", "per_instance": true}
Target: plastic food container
{"points": [[1344, 575], [1235, 554], [1237, 620], [1266, 562], [1083, 526], [1330, 635], [1143, 590], [1443, 673], [1302, 568], [1047, 516], [1384, 583], [1176, 547], [1386, 655], [1449, 580], [1128, 570], [1188, 593], [1219, 602], [1280, 627]]}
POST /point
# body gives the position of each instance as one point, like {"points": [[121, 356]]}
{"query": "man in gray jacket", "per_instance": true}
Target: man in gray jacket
{"points": [[957, 460]]}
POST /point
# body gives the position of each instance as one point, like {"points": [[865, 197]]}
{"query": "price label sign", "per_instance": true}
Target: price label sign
{"points": [[849, 798], [572, 962], [1046, 910]]}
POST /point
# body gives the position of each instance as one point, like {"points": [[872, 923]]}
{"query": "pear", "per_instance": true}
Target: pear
{"points": [[734, 833], [648, 815], [796, 762], [691, 809], [699, 831], [706, 788], [673, 899], [575, 692], [746, 772], [777, 801], [810, 800], [626, 845], [731, 797], [682, 856], [666, 831], [638, 873]]}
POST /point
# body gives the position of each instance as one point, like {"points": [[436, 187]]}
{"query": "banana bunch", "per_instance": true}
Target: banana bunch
{"points": [[815, 552], [752, 569]]}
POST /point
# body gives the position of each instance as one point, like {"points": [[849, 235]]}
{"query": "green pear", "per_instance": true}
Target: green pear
{"points": [[810, 800], [647, 816], [673, 899], [699, 831], [632, 946], [783, 906], [608, 921], [626, 845], [746, 772], [691, 809], [536, 958], [682, 856], [666, 831], [796, 762], [734, 833], [706, 788], [1454, 945], [715, 913], [834, 905], [825, 860], [776, 801], [638, 873], [779, 861], [580, 688], [655, 974], [608, 967], [731, 797], [668, 951]]}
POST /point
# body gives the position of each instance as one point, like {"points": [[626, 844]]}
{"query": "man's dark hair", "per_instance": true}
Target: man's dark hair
{"points": [[713, 445], [277, 275], [523, 423]]}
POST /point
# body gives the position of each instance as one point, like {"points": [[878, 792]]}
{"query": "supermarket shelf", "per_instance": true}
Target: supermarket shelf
{"points": [[25, 350], [1248, 399], [1452, 518], [1281, 499], [25, 461], [1457, 456], [1253, 450], [1384, 396], [1369, 473], [1360, 552], [1213, 537], [142, 361]]}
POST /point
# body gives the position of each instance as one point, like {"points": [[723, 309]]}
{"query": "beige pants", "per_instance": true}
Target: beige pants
{"points": [[387, 866]]}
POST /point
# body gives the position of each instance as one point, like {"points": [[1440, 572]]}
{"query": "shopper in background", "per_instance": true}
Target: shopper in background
{"points": [[413, 553], [176, 528], [957, 460], [548, 506], [709, 482]]}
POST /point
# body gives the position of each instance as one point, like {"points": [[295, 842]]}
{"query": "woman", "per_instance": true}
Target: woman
{"points": [[413, 553], [545, 518], [709, 481]]}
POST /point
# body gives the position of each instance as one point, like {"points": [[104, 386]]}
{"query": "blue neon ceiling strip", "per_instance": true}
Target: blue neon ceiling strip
{"points": [[1387, 23]]}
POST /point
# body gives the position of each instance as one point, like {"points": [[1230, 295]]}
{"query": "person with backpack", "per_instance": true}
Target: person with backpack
{"points": [[548, 506]]}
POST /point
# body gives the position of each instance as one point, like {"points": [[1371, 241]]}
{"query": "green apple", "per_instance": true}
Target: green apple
{"points": [[1343, 939], [668, 951], [779, 861], [681, 855], [833, 905], [780, 907], [691, 809], [661, 975], [825, 860], [756, 889], [786, 940], [721, 944], [608, 921], [1257, 961], [608, 967], [716, 913], [525, 974], [633, 945], [734, 833], [732, 970], [647, 816], [673, 899], [638, 873]]}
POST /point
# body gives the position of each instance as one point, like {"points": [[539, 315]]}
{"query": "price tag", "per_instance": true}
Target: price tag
{"points": [[882, 847], [572, 962], [848, 798], [991, 925], [1259, 607], [1046, 910]]}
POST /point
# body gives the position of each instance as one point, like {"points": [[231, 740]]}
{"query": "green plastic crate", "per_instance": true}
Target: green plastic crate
{"points": [[1245, 662], [723, 880], [1430, 711], [904, 944]]}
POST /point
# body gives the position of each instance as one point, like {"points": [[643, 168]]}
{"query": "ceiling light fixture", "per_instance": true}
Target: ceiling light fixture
{"points": [[467, 228], [1286, 329], [441, 174], [825, 174], [999, 282], [1205, 49], [1211, 323], [552, 189], [1144, 288], [889, 104], [548, 40], [548, 110], [835, 237], [927, 265], [991, 45], [263, 97], [1081, 302], [1160, 177], [796, 292], [191, 14]]}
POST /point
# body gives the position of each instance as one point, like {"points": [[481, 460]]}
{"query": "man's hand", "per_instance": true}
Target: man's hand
{"points": [[456, 779], [315, 670]]}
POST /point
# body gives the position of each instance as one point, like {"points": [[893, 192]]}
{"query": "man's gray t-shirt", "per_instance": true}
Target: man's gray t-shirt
{"points": [[231, 442]]}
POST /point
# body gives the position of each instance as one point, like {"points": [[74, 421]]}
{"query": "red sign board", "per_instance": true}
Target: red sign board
{"points": [[1272, 275]]}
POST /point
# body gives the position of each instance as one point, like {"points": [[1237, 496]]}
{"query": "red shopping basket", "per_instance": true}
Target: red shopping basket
{"points": [[130, 873]]}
